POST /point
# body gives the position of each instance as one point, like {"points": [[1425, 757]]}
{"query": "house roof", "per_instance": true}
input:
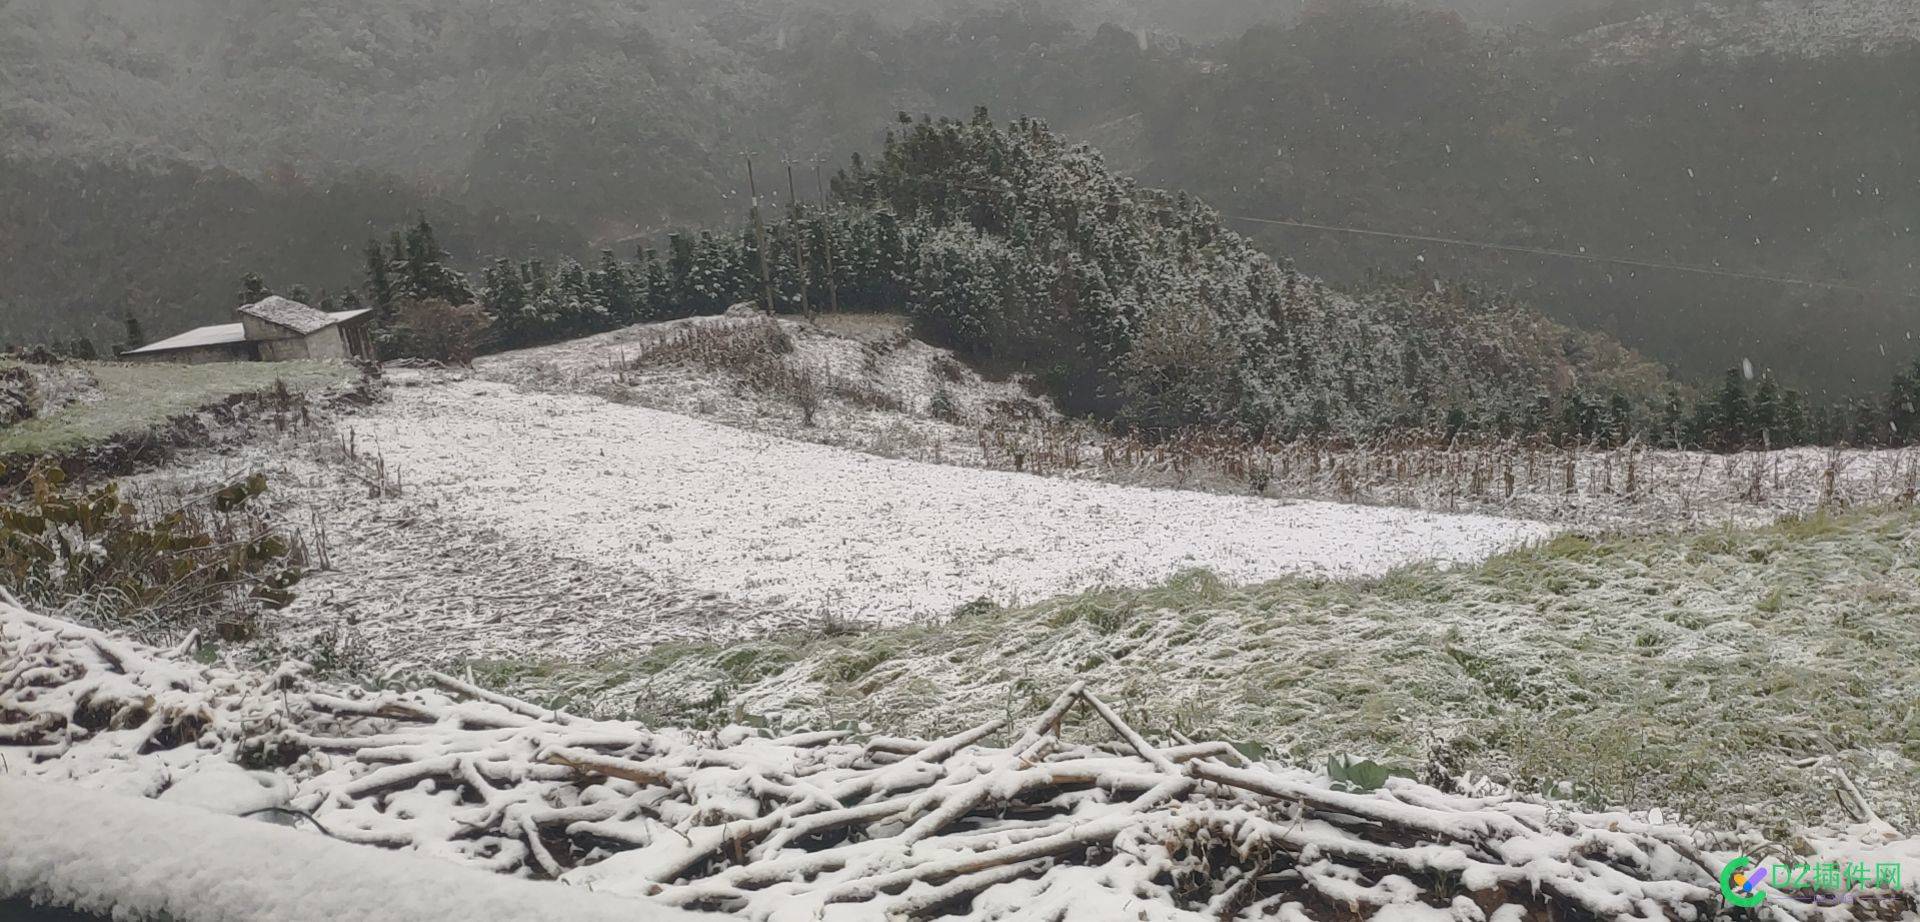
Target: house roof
{"points": [[292, 315], [220, 334]]}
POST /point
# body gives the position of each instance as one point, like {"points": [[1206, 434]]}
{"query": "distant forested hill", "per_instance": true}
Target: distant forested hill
{"points": [[1023, 251], [1729, 141], [1140, 305], [1766, 162]]}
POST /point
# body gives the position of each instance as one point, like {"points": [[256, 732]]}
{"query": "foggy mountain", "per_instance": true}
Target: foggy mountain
{"points": [[1610, 128]]}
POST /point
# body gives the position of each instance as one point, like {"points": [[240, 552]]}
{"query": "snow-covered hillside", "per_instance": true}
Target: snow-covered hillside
{"points": [[780, 523], [857, 381], [665, 483], [1811, 28]]}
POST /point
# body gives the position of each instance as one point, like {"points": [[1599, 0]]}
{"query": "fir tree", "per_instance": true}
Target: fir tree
{"points": [[1620, 419], [1728, 419], [504, 298], [1767, 413], [424, 272], [136, 336], [379, 284], [253, 290], [1673, 419], [614, 287], [658, 286], [1903, 407]]}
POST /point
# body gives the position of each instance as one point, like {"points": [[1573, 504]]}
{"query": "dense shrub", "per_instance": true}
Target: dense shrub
{"points": [[434, 329], [214, 562]]}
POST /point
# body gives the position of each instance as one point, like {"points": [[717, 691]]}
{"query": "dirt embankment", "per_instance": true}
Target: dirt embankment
{"points": [[221, 421]]}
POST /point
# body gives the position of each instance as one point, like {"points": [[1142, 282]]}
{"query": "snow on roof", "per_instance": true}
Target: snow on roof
{"points": [[135, 858], [344, 316], [293, 315], [219, 334]]}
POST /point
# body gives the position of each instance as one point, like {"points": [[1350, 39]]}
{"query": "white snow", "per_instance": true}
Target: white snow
{"points": [[140, 859], [779, 522]]}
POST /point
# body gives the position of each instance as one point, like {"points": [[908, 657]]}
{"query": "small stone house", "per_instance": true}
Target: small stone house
{"points": [[272, 330]]}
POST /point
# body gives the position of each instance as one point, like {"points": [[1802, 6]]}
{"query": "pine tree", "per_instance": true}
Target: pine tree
{"points": [[424, 273], [136, 337], [1620, 423], [1795, 421], [1903, 407], [680, 294], [1673, 419], [657, 286], [379, 285], [1731, 415], [581, 311], [505, 301], [1767, 413], [614, 286], [253, 290], [1867, 424]]}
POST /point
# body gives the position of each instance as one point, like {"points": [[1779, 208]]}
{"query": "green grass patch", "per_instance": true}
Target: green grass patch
{"points": [[1689, 672], [134, 398]]}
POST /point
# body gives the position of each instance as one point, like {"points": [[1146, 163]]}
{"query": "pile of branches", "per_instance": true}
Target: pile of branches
{"points": [[1108, 826]]}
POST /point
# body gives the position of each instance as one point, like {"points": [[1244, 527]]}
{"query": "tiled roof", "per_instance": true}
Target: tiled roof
{"points": [[292, 315]]}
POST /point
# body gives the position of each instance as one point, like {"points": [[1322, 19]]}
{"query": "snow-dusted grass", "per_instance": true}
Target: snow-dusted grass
{"points": [[1684, 671], [775, 522], [1082, 817], [133, 398]]}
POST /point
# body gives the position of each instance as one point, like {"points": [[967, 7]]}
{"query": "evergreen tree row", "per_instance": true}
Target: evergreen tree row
{"points": [[1129, 304]]}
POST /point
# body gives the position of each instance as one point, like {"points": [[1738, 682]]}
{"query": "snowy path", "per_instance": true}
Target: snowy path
{"points": [[787, 524]]}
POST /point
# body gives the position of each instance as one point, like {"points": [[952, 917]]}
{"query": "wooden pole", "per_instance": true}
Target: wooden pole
{"points": [[826, 236], [760, 234], [799, 241]]}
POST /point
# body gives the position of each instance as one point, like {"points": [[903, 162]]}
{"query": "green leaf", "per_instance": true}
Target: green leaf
{"points": [[1364, 775]]}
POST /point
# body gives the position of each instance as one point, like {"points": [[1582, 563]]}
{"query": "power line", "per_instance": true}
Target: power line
{"points": [[1586, 257]]}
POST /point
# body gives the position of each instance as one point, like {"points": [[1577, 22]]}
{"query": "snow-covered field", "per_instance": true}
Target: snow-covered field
{"points": [[784, 524], [877, 386], [606, 495]]}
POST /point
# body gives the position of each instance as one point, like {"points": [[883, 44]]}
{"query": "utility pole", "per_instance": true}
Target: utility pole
{"points": [[760, 233], [799, 237], [826, 235]]}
